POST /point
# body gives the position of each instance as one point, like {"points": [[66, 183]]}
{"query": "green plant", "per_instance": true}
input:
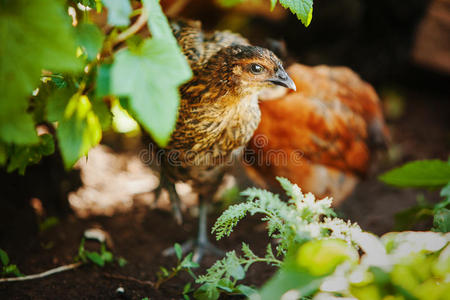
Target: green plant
{"points": [[320, 257], [184, 264], [99, 258], [429, 174], [7, 268], [300, 220], [66, 76]]}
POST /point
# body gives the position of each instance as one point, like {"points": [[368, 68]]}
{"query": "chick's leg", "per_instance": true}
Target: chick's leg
{"points": [[201, 245], [175, 202]]}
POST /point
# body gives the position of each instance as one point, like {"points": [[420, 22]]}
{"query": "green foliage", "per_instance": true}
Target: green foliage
{"points": [[22, 155], [292, 224], [150, 76], [48, 223], [35, 35], [7, 268], [303, 9], [90, 39], [425, 174], [58, 75], [119, 12], [98, 258], [422, 173], [185, 264]]}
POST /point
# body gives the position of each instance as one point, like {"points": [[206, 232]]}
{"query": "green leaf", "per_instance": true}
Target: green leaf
{"points": [[96, 258], [79, 130], [234, 268], [118, 12], [3, 156], [422, 173], [90, 39], [28, 30], [188, 263], [441, 220], [207, 292], [103, 80], [101, 110], [150, 78], [4, 258], [178, 250], [245, 290], [303, 9], [122, 262], [285, 280]]}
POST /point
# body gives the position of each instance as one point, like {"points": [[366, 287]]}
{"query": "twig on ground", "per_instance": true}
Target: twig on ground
{"points": [[128, 278], [43, 274]]}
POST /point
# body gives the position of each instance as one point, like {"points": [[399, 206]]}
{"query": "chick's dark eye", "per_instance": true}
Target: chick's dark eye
{"points": [[256, 69]]}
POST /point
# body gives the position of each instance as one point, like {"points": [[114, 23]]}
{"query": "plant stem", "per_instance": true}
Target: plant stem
{"points": [[43, 274], [140, 22]]}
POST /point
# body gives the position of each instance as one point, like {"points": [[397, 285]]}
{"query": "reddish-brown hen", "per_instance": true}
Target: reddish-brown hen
{"points": [[322, 136]]}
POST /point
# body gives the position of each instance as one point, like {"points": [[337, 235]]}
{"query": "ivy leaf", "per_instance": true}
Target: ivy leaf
{"points": [[150, 76], [422, 173], [79, 129], [303, 9], [28, 30], [90, 39], [118, 12]]}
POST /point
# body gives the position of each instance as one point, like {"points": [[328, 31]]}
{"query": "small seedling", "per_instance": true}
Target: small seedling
{"points": [[8, 269], [98, 258], [184, 264]]}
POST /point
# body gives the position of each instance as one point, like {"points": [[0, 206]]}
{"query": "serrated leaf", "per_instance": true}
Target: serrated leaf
{"points": [[303, 9], [4, 258], [96, 258], [79, 130], [118, 12], [234, 268], [28, 30], [422, 173], [90, 39]]}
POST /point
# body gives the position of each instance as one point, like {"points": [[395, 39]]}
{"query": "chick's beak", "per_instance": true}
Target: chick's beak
{"points": [[283, 79]]}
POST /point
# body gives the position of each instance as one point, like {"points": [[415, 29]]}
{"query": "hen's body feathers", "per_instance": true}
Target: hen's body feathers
{"points": [[328, 131]]}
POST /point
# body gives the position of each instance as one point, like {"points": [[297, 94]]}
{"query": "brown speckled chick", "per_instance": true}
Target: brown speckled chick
{"points": [[218, 112]]}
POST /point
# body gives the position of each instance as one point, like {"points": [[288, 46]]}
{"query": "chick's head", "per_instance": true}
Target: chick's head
{"points": [[245, 70], [256, 68]]}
